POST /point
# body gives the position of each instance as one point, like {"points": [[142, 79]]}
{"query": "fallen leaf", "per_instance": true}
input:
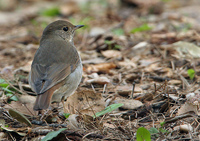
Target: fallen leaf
{"points": [[188, 107], [26, 109], [20, 117], [111, 53], [186, 128], [186, 49], [124, 90], [90, 122], [129, 103], [8, 129], [175, 82], [53, 134], [103, 67], [85, 101], [72, 122], [99, 80]]}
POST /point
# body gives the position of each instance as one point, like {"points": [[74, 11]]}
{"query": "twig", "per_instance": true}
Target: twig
{"points": [[170, 120], [11, 136], [90, 105], [87, 134], [120, 77], [133, 90], [12, 85], [185, 82], [104, 88], [92, 111], [6, 114], [93, 88], [197, 127], [155, 87], [173, 66], [142, 77], [166, 92], [28, 109]]}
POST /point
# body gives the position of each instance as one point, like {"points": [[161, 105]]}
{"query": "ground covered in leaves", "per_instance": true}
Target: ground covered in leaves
{"points": [[141, 62]]}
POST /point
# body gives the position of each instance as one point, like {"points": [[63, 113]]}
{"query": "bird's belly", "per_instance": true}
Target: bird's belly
{"points": [[70, 85]]}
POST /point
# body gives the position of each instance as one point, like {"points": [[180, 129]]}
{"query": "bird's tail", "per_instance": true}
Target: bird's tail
{"points": [[43, 100]]}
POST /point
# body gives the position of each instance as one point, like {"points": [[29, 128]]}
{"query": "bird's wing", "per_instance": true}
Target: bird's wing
{"points": [[53, 62]]}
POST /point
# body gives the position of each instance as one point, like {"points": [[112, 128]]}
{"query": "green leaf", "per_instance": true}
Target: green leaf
{"points": [[191, 73], [2, 80], [108, 42], [4, 85], [153, 130], [7, 90], [51, 12], [141, 28], [163, 130], [12, 97], [187, 26], [19, 116], [53, 134], [117, 47], [6, 126], [143, 134], [118, 31], [108, 109], [66, 115], [162, 124]]}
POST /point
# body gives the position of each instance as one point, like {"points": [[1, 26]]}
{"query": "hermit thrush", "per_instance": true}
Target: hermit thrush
{"points": [[56, 70]]}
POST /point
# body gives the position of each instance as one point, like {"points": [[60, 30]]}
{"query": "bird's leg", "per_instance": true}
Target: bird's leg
{"points": [[63, 102], [45, 113]]}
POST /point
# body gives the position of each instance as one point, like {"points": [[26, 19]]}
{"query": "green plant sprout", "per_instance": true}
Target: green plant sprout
{"points": [[108, 109], [144, 27], [191, 73]]}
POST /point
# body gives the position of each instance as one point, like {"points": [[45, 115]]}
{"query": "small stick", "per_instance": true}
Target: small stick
{"points": [[155, 87], [133, 90], [104, 88], [93, 88], [12, 85]]}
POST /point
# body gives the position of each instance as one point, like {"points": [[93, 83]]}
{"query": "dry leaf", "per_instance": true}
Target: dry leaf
{"points": [[26, 109], [99, 80], [90, 122], [129, 103], [86, 101], [108, 125], [103, 67], [186, 49], [72, 122], [175, 82], [124, 90], [186, 128], [187, 107], [27, 99], [111, 53]]}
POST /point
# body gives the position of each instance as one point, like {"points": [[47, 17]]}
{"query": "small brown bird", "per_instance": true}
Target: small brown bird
{"points": [[56, 70]]}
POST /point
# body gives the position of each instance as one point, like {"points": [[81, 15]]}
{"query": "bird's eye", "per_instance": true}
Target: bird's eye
{"points": [[65, 28]]}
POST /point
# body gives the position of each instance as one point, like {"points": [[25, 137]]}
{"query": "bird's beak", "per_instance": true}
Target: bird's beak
{"points": [[78, 26]]}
